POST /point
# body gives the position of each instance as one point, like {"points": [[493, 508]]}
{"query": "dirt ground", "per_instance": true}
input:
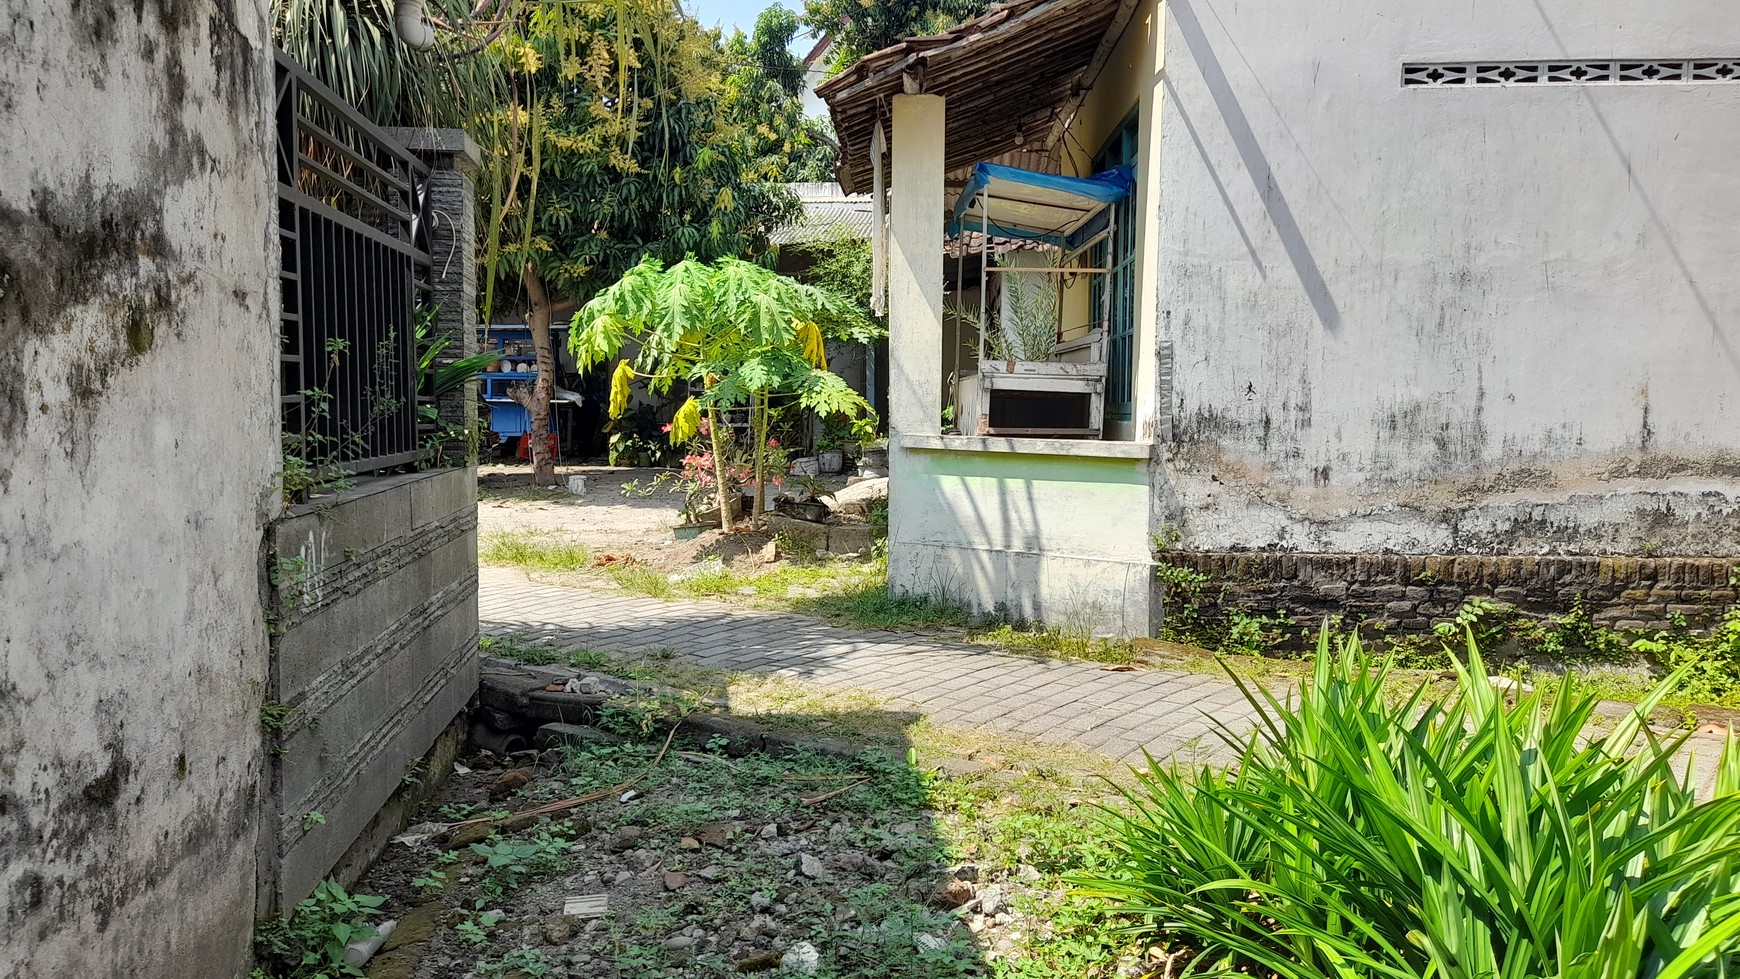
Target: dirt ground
{"points": [[629, 855], [604, 518]]}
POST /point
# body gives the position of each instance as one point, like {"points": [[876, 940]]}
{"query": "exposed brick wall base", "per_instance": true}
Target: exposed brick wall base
{"points": [[1410, 592]]}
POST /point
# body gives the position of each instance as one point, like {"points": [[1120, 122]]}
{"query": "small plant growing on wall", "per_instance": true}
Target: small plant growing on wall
{"points": [[314, 458], [311, 944]]}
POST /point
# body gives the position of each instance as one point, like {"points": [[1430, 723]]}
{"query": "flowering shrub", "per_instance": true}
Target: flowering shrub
{"points": [[696, 477]]}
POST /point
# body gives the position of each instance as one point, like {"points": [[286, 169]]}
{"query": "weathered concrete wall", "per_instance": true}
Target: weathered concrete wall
{"points": [[1128, 85], [138, 441], [1484, 318], [373, 654], [1041, 534]]}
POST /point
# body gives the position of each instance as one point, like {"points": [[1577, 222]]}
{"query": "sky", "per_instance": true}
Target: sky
{"points": [[734, 13], [729, 13]]}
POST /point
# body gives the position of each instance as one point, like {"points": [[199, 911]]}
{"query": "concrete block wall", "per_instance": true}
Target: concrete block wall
{"points": [[374, 652], [1409, 593]]}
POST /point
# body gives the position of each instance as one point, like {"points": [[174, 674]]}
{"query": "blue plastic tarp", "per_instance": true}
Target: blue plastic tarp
{"points": [[1032, 206]]}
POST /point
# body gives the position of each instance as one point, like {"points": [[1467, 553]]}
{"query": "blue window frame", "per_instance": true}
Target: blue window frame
{"points": [[1118, 253]]}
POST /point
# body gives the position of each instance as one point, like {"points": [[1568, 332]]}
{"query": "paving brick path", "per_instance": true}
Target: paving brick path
{"points": [[1171, 714]]}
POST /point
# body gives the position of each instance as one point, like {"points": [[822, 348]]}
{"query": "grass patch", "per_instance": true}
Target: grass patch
{"points": [[523, 493], [868, 604], [851, 714], [1045, 641], [519, 650], [534, 552], [856, 596], [1024, 812], [642, 580]]}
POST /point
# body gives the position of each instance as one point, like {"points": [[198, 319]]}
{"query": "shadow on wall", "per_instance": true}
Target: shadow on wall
{"points": [[1051, 539], [1655, 219], [1256, 164]]}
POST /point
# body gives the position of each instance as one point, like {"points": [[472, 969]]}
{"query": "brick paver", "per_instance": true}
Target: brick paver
{"points": [[1119, 714]]}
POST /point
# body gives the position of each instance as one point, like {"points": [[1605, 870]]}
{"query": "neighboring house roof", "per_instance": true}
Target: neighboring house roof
{"points": [[1013, 77], [823, 45], [829, 212]]}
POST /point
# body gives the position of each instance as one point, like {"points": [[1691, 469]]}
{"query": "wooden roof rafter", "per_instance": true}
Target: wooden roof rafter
{"points": [[1029, 53]]}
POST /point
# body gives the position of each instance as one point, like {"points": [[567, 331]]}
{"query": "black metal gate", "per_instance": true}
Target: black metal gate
{"points": [[355, 271]]}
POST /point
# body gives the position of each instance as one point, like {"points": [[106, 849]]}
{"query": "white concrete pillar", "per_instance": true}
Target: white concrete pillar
{"points": [[915, 267], [915, 300]]}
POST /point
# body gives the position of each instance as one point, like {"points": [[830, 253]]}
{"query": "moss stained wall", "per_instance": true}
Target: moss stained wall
{"points": [[138, 443]]}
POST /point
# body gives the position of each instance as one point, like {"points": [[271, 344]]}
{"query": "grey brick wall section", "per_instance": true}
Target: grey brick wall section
{"points": [[374, 651], [1412, 592], [453, 158]]}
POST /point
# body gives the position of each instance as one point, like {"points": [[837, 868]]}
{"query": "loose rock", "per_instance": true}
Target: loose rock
{"points": [[510, 782], [810, 867], [468, 834], [952, 894], [758, 962], [557, 930], [626, 838], [802, 958]]}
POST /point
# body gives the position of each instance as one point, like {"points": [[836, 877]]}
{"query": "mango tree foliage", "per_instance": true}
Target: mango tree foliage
{"points": [[739, 331], [858, 28], [764, 89], [620, 144]]}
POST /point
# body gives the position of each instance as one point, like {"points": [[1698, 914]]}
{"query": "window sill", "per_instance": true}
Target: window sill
{"points": [[1091, 448]]}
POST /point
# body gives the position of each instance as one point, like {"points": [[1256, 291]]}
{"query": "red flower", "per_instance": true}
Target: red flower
{"points": [[666, 429]]}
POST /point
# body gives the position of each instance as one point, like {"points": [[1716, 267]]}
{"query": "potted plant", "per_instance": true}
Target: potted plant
{"points": [[872, 448], [695, 481], [1029, 330], [809, 506], [830, 447]]}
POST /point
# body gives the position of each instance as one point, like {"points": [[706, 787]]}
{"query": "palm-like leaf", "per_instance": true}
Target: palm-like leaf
{"points": [[1467, 839]]}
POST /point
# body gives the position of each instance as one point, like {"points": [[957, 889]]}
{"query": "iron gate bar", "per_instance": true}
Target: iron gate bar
{"points": [[352, 223]]}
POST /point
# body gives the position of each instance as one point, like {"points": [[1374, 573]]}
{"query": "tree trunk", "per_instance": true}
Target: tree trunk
{"points": [[760, 430], [544, 388], [715, 421]]}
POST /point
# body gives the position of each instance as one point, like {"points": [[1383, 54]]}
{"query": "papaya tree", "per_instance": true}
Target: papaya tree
{"points": [[733, 333], [619, 142]]}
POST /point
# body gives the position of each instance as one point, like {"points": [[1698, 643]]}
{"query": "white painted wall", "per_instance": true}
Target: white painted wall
{"points": [[1443, 319], [1037, 530], [138, 432]]}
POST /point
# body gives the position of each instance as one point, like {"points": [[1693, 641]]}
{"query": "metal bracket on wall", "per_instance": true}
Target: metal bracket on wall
{"points": [[1163, 381]]}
